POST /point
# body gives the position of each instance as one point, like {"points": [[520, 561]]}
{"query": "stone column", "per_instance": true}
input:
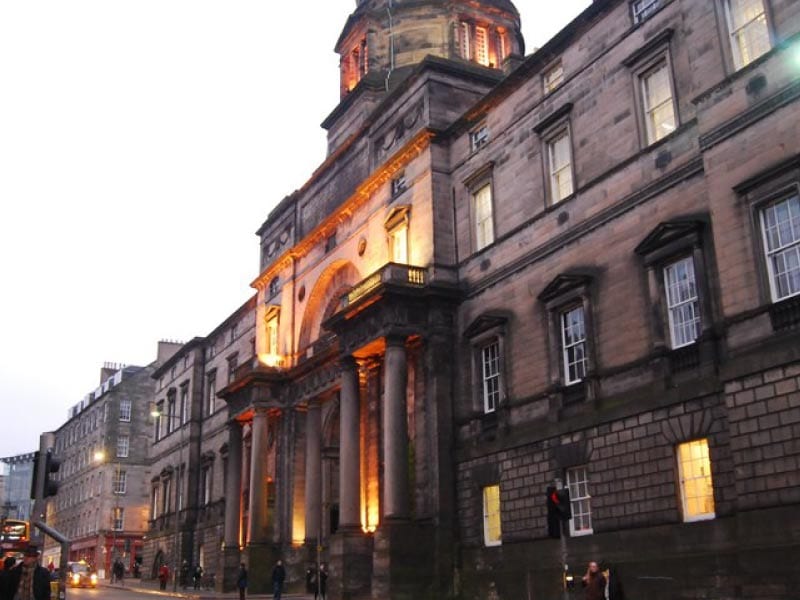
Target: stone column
{"points": [[233, 510], [395, 430], [349, 447], [313, 470], [233, 488], [258, 479]]}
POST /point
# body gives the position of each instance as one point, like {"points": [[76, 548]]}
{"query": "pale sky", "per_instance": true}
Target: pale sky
{"points": [[142, 143]]}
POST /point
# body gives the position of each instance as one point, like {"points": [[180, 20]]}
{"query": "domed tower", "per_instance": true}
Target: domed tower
{"points": [[382, 38]]}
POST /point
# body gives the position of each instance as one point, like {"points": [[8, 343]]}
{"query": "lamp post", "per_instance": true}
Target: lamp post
{"points": [[180, 475], [100, 457]]}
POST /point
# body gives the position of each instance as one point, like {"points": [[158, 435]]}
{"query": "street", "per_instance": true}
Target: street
{"points": [[107, 593]]}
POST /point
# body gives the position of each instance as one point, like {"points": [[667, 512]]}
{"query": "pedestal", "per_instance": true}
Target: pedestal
{"points": [[350, 569], [404, 562], [261, 559], [231, 561]]}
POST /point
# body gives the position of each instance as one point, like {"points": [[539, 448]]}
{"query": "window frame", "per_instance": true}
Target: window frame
{"points": [[211, 392], [126, 447], [479, 137], [765, 250], [577, 500], [397, 225], [118, 517], [488, 514], [706, 516], [119, 482], [491, 397], [125, 410], [478, 181], [567, 362], [650, 130], [549, 86], [735, 61], [487, 329], [649, 10], [665, 269]]}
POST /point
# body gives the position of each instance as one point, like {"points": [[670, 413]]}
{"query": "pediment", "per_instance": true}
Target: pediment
{"points": [[666, 233], [485, 322], [566, 282]]}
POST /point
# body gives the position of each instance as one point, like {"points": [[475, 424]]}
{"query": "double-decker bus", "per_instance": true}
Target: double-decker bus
{"points": [[14, 537]]}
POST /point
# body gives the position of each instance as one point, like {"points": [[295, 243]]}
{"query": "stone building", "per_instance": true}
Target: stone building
{"points": [[102, 499], [188, 455], [580, 267]]}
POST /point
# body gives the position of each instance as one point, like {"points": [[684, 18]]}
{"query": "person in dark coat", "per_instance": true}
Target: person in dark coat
{"points": [[241, 581], [594, 582], [5, 578], [614, 590], [30, 580], [278, 577], [322, 590], [184, 577], [198, 577]]}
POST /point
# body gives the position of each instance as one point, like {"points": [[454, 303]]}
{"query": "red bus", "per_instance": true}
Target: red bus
{"points": [[14, 537]]}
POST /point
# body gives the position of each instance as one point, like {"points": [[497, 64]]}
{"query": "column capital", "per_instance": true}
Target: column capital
{"points": [[348, 362], [396, 340]]}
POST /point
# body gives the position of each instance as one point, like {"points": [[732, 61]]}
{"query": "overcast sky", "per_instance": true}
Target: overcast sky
{"points": [[142, 143]]}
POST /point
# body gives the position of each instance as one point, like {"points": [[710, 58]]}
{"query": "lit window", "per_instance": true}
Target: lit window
{"points": [[484, 223], [697, 489], [573, 344], [683, 304], [502, 46], [644, 9], [659, 109], [780, 224], [398, 240], [125, 410], [479, 137], [118, 518], [579, 499], [123, 446], [482, 46], [747, 26], [490, 376], [553, 78], [560, 162], [492, 534], [119, 482], [272, 336]]}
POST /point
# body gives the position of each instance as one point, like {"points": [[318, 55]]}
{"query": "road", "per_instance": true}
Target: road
{"points": [[107, 593]]}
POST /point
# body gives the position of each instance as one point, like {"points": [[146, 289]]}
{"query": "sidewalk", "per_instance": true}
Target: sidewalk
{"points": [[151, 587]]}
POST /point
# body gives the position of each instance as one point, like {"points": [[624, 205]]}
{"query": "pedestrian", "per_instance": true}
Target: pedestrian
{"points": [[614, 590], [278, 577], [241, 581], [184, 580], [198, 576], [594, 582], [163, 576], [119, 572], [311, 580], [5, 578], [321, 591], [28, 581]]}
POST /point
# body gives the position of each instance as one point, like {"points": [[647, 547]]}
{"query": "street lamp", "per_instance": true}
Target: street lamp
{"points": [[100, 457], [180, 476]]}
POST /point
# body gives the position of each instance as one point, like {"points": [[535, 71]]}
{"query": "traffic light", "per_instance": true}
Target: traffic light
{"points": [[558, 510], [51, 465]]}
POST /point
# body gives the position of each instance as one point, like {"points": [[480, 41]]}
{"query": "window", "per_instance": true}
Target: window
{"points": [[697, 489], [659, 108], [748, 30], [780, 226], [166, 495], [398, 184], [490, 376], [573, 345], [492, 534], [330, 243], [154, 506], [553, 78], [123, 446], [119, 482], [234, 332], [478, 137], [464, 41], [272, 335], [644, 9], [683, 303], [211, 394], [118, 519], [125, 411], [184, 402], [172, 413], [233, 362], [179, 489], [579, 499], [273, 289], [484, 223], [398, 241], [206, 489], [160, 421], [559, 159], [482, 46]]}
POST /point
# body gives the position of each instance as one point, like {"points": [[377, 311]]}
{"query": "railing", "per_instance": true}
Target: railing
{"points": [[390, 273], [785, 314]]}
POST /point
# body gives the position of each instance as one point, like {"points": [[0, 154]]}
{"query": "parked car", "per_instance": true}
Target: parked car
{"points": [[81, 574]]}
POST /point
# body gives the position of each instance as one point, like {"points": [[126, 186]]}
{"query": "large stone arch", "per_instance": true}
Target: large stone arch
{"points": [[338, 278]]}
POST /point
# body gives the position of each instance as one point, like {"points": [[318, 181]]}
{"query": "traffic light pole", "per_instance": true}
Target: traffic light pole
{"points": [[563, 525], [63, 560]]}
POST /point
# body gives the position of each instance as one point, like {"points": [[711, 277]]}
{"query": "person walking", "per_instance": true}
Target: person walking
{"points": [[594, 582], [29, 580], [614, 590], [241, 581], [321, 591], [278, 577], [163, 576], [184, 578], [198, 576]]}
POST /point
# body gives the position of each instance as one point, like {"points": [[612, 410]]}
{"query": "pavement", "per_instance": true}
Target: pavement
{"points": [[151, 587]]}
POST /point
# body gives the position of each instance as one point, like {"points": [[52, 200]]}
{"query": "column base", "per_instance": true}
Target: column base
{"points": [[350, 569], [261, 559], [404, 561], [231, 561]]}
